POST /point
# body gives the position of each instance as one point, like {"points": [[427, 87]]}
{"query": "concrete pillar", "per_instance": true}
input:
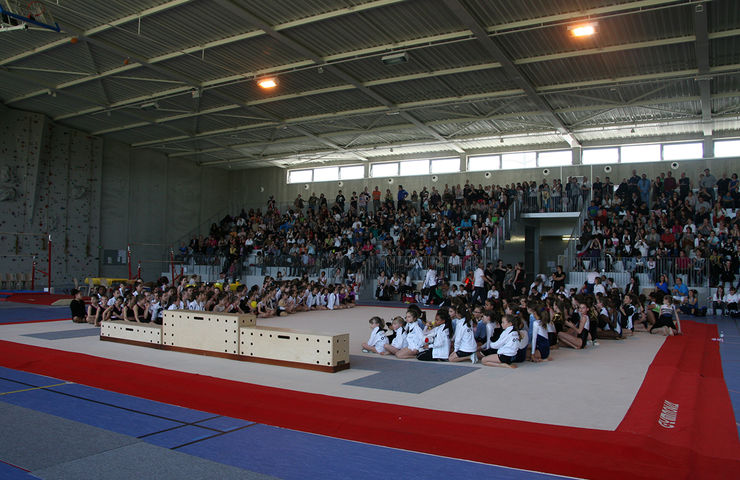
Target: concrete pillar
{"points": [[577, 155], [531, 251], [708, 142]]}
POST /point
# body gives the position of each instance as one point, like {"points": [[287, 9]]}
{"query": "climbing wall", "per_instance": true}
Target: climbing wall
{"points": [[49, 185]]}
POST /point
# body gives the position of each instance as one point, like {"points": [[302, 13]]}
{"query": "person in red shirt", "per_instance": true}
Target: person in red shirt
{"points": [[668, 237], [669, 184]]}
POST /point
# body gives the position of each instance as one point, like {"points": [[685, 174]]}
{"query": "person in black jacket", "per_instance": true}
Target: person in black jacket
{"points": [[77, 307]]}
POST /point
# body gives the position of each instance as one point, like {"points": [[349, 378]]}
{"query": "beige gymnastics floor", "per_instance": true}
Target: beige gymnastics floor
{"points": [[592, 388]]}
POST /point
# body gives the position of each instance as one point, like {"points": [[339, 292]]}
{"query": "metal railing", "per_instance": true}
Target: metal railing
{"points": [[535, 201], [694, 272]]}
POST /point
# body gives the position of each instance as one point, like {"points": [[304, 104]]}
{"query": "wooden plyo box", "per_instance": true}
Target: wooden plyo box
{"points": [[284, 346], [206, 332], [134, 333]]}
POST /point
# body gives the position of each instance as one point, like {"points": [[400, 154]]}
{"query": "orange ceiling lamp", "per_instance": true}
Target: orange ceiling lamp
{"points": [[267, 83], [582, 30]]}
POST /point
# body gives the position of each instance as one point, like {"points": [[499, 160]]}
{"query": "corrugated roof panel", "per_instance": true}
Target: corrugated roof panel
{"points": [[723, 15], [175, 29], [320, 104], [73, 58], [278, 12], [18, 42], [665, 58], [497, 13], [376, 27], [724, 51], [49, 105], [90, 13], [143, 134], [249, 56]]}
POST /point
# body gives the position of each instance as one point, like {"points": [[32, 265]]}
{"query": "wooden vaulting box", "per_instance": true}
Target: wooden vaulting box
{"points": [[291, 347], [187, 330], [135, 333]]}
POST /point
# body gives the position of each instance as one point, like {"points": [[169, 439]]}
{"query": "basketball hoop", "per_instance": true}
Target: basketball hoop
{"points": [[24, 14], [34, 10]]}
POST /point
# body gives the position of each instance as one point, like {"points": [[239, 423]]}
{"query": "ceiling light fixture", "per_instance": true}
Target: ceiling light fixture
{"points": [[582, 30], [267, 83], [395, 58]]}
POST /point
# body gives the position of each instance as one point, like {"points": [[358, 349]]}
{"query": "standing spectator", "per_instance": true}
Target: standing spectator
{"points": [[643, 185], [669, 184], [340, 200], [363, 200], [402, 194], [684, 186], [376, 199], [479, 286], [708, 182]]}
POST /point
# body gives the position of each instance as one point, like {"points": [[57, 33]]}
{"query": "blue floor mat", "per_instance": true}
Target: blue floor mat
{"points": [[179, 436], [12, 314], [143, 405], [94, 414], [289, 455], [225, 424], [10, 386], [28, 379]]}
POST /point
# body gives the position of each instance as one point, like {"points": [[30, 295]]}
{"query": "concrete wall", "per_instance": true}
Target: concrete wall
{"points": [[152, 202]]}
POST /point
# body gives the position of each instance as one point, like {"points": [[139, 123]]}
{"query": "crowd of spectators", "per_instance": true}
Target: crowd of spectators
{"points": [[460, 220], [665, 226]]}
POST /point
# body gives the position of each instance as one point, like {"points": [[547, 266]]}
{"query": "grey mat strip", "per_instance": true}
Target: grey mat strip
{"points": [[145, 461], [64, 334], [35, 440], [410, 376], [55, 448]]}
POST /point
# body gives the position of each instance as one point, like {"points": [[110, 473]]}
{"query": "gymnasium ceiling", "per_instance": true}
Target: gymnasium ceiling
{"points": [[179, 76]]}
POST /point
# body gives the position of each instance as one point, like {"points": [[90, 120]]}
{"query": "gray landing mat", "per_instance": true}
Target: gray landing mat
{"points": [[35, 440], [142, 461], [64, 334], [410, 376]]}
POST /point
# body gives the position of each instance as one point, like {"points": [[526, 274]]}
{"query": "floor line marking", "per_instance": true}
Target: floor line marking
{"points": [[214, 436], [194, 424], [36, 388]]}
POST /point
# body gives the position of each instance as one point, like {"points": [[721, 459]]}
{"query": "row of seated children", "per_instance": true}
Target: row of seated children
{"points": [[273, 299], [501, 336], [449, 337]]}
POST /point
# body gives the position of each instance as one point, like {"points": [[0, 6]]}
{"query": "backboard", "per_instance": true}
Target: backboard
{"points": [[24, 14]]}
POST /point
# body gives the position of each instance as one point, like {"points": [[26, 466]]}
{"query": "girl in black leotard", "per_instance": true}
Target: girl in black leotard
{"points": [[94, 310], [128, 310], [141, 310], [115, 311]]}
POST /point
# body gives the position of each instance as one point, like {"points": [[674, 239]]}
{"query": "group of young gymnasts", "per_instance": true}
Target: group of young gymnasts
{"points": [[504, 333]]}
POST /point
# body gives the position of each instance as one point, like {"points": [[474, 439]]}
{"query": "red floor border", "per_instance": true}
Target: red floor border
{"points": [[686, 371]]}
